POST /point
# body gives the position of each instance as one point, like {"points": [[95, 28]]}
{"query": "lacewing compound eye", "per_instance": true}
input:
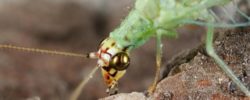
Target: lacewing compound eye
{"points": [[120, 61]]}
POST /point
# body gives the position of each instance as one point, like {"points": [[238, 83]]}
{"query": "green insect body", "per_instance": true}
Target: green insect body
{"points": [[151, 17]]}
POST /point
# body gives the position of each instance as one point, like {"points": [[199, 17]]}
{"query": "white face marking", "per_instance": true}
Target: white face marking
{"points": [[105, 56], [112, 51]]}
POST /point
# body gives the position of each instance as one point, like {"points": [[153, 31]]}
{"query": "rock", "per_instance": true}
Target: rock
{"points": [[127, 96]]}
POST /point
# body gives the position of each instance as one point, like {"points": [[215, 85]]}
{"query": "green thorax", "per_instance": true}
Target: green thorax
{"points": [[134, 31], [151, 17]]}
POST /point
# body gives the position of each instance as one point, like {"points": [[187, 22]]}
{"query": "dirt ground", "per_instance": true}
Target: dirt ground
{"points": [[74, 26]]}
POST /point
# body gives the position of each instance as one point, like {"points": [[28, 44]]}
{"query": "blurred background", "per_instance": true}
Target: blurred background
{"points": [[74, 26]]}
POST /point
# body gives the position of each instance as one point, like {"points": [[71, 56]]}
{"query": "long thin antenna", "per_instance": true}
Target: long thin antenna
{"points": [[76, 93], [53, 52]]}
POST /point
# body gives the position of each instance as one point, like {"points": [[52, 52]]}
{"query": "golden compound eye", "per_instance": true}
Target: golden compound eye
{"points": [[120, 61]]}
